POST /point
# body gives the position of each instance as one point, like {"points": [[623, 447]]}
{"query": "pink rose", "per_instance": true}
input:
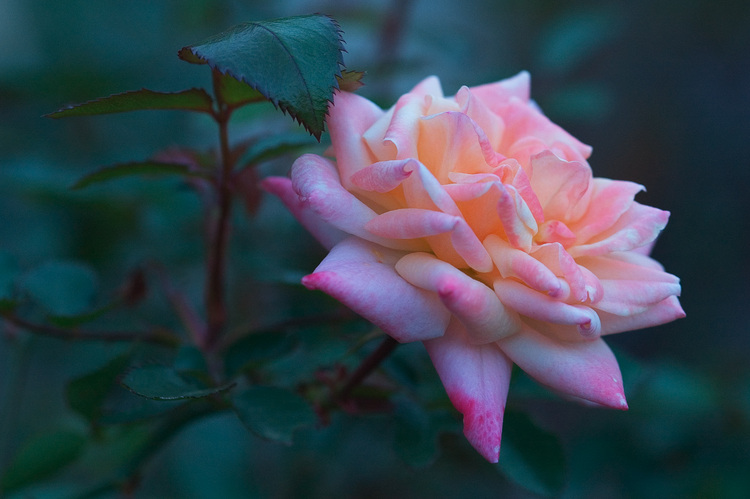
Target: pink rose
{"points": [[473, 224]]}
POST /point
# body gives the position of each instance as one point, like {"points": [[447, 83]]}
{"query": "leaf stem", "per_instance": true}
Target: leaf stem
{"points": [[368, 365]]}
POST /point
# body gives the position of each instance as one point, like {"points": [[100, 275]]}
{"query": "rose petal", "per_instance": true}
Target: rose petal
{"points": [[476, 378], [361, 275], [472, 302], [587, 370], [326, 234], [409, 223], [661, 313]]}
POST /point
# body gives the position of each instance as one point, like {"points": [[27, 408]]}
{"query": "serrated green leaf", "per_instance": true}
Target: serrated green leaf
{"points": [[62, 288], [274, 146], [87, 393], [272, 413], [194, 99], [42, 456], [236, 93], [136, 168], [531, 456], [164, 383], [350, 81], [292, 61]]}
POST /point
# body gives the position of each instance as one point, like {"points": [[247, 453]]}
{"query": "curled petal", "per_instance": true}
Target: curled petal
{"points": [[555, 258], [512, 262], [476, 378], [473, 303], [541, 307], [326, 234], [317, 184], [518, 86], [587, 370], [348, 118], [423, 190], [409, 223], [516, 217], [361, 275], [382, 176], [665, 311]]}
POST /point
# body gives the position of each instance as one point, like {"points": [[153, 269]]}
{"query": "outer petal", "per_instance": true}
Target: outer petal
{"points": [[476, 379], [661, 313], [564, 188], [609, 201], [361, 275], [316, 182], [586, 370], [326, 234], [638, 227]]}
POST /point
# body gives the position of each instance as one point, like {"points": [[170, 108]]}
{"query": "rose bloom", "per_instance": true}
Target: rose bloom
{"points": [[473, 224]]}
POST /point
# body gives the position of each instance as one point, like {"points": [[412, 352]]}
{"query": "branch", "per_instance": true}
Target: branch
{"points": [[156, 336]]}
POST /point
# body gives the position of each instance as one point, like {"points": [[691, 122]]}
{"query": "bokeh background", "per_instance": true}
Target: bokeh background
{"points": [[660, 89]]}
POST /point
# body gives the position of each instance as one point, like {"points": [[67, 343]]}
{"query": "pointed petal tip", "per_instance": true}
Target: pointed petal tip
{"points": [[314, 281], [484, 432]]}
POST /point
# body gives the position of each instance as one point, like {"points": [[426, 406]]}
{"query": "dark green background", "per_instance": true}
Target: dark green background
{"points": [[660, 89]]}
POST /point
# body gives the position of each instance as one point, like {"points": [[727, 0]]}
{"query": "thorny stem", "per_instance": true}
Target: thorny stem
{"points": [[217, 243], [366, 367]]}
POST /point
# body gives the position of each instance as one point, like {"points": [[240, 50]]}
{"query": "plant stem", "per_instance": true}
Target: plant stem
{"points": [[366, 367], [157, 336], [217, 245]]}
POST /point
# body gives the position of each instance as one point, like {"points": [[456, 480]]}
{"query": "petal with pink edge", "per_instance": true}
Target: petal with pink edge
{"points": [[361, 275], [586, 370], [325, 233], [628, 297], [476, 378]]}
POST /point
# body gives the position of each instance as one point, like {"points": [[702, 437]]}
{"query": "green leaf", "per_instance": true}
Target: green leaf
{"points": [[531, 456], [164, 383], [195, 99], [62, 288], [273, 146], [292, 61], [272, 413], [350, 81], [42, 456], [136, 168], [71, 321], [87, 393]]}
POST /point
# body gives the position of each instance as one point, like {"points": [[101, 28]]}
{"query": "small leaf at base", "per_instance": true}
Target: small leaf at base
{"points": [[164, 383]]}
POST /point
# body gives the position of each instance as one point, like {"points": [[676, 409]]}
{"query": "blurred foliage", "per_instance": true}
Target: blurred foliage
{"points": [[660, 89]]}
